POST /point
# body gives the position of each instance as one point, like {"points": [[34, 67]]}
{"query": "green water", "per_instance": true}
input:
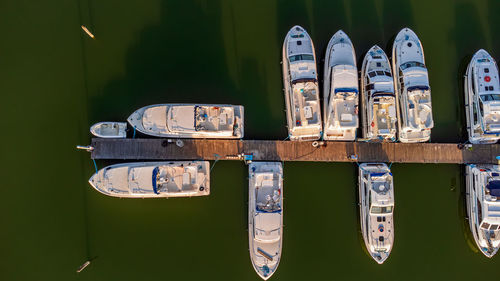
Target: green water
{"points": [[55, 82]]}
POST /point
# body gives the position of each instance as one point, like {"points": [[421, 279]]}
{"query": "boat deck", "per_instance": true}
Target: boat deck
{"points": [[270, 150]]}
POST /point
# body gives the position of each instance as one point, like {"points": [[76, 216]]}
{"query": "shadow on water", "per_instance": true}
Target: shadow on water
{"points": [[396, 16], [462, 211], [468, 37], [168, 65], [365, 31], [494, 23]]}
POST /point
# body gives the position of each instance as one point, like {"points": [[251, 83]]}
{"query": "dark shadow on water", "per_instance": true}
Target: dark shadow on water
{"points": [[462, 212], [396, 16], [168, 64], [468, 37]]}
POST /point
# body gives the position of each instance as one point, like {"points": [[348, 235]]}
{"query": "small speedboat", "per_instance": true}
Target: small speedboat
{"points": [[376, 197], [378, 101], [300, 80], [209, 121], [265, 216], [483, 206], [413, 92], [340, 92], [109, 130], [154, 179], [482, 99]]}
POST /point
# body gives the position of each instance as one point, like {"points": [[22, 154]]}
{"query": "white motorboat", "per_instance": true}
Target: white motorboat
{"points": [[265, 216], [301, 86], [376, 197], [483, 206], [378, 101], [482, 99], [189, 121], [154, 179], [340, 92], [413, 92], [109, 130]]}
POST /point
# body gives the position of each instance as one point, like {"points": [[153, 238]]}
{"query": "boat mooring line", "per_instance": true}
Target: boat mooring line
{"points": [[134, 133], [95, 166]]}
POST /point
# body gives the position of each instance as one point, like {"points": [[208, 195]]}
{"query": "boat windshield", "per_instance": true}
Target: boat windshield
{"points": [[301, 57], [383, 94], [490, 97], [304, 80], [418, 88], [381, 209], [412, 64]]}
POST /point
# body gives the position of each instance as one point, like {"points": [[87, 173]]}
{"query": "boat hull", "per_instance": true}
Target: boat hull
{"points": [[407, 133], [136, 180], [474, 131], [136, 120], [265, 251]]}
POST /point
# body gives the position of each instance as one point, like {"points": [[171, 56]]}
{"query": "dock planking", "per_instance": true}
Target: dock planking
{"points": [[270, 150]]}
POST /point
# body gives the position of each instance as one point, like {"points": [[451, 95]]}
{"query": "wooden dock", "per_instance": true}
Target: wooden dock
{"points": [[269, 150]]}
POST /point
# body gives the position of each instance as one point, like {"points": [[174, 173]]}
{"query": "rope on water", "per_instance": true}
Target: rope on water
{"points": [[287, 137], [95, 165], [217, 157]]}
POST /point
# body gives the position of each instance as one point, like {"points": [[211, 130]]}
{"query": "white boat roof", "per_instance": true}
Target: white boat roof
{"points": [[300, 54], [408, 47], [345, 76], [342, 52]]}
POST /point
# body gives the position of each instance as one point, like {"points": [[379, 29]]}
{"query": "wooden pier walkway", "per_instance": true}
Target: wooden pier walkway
{"points": [[269, 150]]}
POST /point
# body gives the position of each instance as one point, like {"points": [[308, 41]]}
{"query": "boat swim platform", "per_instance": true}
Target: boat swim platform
{"points": [[271, 150]]}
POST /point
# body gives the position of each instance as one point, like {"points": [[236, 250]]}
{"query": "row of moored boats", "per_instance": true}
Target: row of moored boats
{"points": [[395, 105]]}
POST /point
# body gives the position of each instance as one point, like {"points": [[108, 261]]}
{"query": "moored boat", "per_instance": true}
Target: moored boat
{"points": [[483, 206], [482, 99], [378, 101], [265, 216], [376, 204], [413, 92], [340, 92], [154, 179], [189, 121], [109, 130], [301, 86]]}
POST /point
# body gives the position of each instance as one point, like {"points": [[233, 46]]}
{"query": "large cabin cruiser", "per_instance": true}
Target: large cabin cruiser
{"points": [[154, 179], [376, 196], [483, 206], [378, 102], [413, 92], [209, 121], [265, 216], [340, 92], [300, 79], [482, 99]]}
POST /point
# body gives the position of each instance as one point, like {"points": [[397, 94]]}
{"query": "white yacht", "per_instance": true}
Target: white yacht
{"points": [[482, 99], [189, 121], [378, 101], [109, 130], [376, 197], [300, 79], [154, 179], [483, 206], [340, 92], [265, 216], [413, 93]]}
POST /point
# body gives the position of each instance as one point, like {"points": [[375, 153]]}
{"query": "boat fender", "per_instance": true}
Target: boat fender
{"points": [[202, 188], [315, 143]]}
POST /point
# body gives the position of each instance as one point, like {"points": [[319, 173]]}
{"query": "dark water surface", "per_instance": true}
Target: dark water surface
{"points": [[55, 82]]}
